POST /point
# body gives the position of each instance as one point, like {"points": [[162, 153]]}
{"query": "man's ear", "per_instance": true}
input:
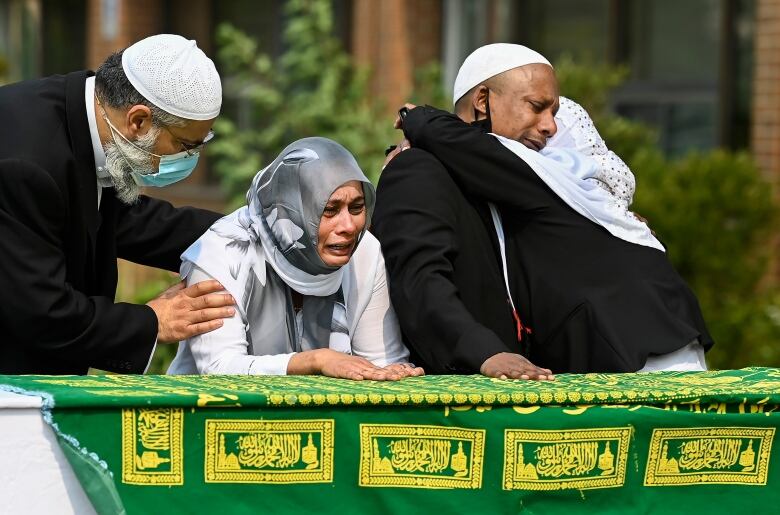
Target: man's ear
{"points": [[139, 120], [479, 101]]}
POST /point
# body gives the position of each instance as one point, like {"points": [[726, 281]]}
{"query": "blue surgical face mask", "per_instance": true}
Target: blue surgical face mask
{"points": [[173, 168]]}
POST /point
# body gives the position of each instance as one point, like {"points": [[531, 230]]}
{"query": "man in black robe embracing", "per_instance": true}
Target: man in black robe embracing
{"points": [[580, 298]]}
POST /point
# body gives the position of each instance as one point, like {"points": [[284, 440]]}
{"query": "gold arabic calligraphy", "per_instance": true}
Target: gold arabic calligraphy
{"points": [[420, 455]]}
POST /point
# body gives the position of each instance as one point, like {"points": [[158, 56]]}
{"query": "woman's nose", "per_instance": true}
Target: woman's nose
{"points": [[346, 223]]}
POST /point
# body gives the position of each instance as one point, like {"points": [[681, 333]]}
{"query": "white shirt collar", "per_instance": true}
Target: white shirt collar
{"points": [[104, 179]]}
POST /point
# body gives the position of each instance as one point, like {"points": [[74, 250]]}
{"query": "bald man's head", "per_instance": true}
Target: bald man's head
{"points": [[523, 102]]}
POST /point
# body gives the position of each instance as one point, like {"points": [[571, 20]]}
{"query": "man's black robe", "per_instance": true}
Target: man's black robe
{"points": [[594, 302], [443, 268], [58, 271]]}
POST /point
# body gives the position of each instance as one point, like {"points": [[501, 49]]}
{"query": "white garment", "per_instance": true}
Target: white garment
{"points": [[688, 359], [174, 74], [373, 326], [103, 178], [577, 131], [567, 172], [490, 60], [35, 474]]}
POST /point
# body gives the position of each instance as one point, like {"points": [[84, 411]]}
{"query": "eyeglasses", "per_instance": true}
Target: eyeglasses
{"points": [[191, 148]]}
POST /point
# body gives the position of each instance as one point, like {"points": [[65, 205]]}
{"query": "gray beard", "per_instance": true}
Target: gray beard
{"points": [[122, 159]]}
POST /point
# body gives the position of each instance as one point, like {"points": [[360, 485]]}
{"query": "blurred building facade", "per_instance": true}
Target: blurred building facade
{"points": [[706, 73]]}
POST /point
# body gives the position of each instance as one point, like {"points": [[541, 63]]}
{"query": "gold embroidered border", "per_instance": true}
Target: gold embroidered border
{"points": [[659, 473], [644, 388], [473, 462], [321, 473], [131, 473], [514, 437]]}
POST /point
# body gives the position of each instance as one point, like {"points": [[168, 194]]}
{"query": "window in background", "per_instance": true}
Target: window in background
{"points": [[737, 77], [691, 71], [673, 50], [690, 61], [578, 28], [465, 29], [674, 41]]}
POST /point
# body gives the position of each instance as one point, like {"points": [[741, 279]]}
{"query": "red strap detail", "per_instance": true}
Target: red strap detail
{"points": [[520, 327]]}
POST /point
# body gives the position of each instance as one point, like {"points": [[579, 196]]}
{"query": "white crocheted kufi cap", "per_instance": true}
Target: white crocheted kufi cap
{"points": [[174, 74], [490, 60]]}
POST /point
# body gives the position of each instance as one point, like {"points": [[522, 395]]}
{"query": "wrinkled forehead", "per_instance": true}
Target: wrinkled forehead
{"points": [[532, 79], [347, 192]]}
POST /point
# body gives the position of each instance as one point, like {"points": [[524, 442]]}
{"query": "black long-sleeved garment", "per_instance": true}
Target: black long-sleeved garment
{"points": [[594, 302], [58, 252], [444, 277]]}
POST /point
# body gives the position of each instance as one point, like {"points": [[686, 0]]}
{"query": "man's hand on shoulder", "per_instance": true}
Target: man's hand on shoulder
{"points": [[507, 365], [399, 120], [394, 150], [183, 312]]}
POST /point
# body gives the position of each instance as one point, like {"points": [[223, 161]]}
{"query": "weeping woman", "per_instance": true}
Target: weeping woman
{"points": [[308, 279]]}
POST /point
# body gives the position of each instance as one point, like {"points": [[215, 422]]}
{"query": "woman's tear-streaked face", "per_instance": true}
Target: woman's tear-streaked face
{"points": [[341, 224]]}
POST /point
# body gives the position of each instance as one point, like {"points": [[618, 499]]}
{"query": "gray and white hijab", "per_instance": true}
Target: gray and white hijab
{"points": [[279, 227]]}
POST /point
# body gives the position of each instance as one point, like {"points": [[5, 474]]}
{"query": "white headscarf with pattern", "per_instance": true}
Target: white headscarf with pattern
{"points": [[577, 165]]}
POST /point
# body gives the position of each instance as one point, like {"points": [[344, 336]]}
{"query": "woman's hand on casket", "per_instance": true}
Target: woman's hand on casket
{"points": [[405, 369], [332, 363]]}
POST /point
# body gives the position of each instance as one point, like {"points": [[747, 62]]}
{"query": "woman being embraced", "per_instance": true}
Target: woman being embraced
{"points": [[308, 279]]}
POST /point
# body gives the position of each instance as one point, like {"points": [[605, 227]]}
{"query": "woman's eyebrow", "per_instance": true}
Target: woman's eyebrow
{"points": [[342, 200]]}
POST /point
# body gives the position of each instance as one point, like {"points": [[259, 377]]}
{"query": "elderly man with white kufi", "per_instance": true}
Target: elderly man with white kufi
{"points": [[75, 151], [590, 286]]}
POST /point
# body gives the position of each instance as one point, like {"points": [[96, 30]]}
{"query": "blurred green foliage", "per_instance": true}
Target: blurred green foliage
{"points": [[312, 89], [716, 215], [3, 70], [713, 211]]}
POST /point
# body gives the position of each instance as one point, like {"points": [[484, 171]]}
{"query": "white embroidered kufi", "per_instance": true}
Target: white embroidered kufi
{"points": [[174, 74], [490, 60]]}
